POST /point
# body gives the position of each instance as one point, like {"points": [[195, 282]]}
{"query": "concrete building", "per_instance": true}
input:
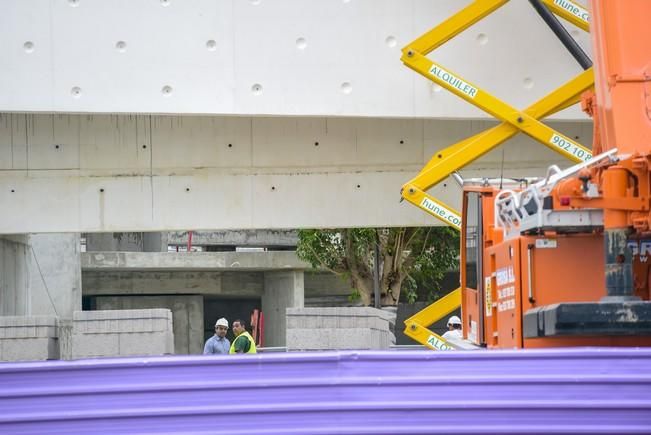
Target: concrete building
{"points": [[112, 124]]}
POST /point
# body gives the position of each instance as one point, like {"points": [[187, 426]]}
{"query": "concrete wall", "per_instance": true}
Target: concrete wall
{"points": [[14, 277], [236, 238], [187, 313], [31, 338], [122, 333], [127, 242], [338, 328], [55, 274], [231, 284], [282, 290], [324, 289]]}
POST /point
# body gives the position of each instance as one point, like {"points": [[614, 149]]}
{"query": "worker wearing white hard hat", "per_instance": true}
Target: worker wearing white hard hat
{"points": [[218, 343], [454, 329]]}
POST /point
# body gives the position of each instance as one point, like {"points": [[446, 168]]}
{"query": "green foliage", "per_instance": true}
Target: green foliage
{"points": [[414, 259], [440, 254]]}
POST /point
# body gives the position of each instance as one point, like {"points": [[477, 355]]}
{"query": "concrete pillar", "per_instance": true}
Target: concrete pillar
{"points": [[55, 274], [154, 242], [14, 276], [282, 290]]}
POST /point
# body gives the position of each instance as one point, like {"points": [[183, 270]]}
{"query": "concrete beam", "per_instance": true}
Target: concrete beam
{"points": [[195, 261], [231, 284], [236, 238], [72, 173], [199, 56]]}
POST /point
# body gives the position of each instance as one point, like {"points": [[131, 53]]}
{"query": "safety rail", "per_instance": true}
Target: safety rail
{"points": [[512, 209]]}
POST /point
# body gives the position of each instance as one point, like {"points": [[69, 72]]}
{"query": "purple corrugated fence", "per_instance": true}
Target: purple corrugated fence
{"points": [[570, 391]]}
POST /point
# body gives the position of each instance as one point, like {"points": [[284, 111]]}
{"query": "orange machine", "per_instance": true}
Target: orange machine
{"points": [[565, 261]]}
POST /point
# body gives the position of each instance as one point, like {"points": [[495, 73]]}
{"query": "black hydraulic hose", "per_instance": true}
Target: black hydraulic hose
{"points": [[562, 34]]}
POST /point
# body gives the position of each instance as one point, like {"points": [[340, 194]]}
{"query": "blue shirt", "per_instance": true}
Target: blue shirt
{"points": [[217, 345]]}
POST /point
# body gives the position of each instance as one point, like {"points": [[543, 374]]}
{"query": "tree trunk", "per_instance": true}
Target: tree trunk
{"points": [[390, 290], [364, 287]]}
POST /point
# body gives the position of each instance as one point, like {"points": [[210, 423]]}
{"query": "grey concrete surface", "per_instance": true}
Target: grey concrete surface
{"points": [[122, 333], [127, 242], [230, 284], [214, 261], [14, 275], [187, 314], [338, 328], [55, 274], [282, 290], [286, 238], [28, 338]]}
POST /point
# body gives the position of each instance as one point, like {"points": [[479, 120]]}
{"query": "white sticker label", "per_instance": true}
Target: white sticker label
{"points": [[453, 81], [570, 147], [441, 212], [545, 243], [438, 344], [574, 9], [472, 335], [488, 296]]}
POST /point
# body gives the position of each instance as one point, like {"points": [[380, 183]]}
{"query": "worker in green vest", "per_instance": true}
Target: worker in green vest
{"points": [[243, 342]]}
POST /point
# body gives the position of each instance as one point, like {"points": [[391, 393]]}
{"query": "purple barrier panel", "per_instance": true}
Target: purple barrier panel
{"points": [[591, 390]]}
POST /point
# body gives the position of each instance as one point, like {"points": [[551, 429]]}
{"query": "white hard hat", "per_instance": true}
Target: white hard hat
{"points": [[222, 322], [454, 320]]}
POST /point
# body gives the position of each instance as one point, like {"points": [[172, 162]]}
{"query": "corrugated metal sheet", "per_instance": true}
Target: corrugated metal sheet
{"points": [[548, 391]]}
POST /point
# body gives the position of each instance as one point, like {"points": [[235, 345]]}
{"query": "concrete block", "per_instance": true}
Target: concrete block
{"points": [[155, 343], [121, 333], [94, 345], [29, 349], [322, 328]]}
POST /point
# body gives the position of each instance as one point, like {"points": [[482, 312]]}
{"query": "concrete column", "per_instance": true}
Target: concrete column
{"points": [[14, 276], [154, 242], [55, 274], [282, 290]]}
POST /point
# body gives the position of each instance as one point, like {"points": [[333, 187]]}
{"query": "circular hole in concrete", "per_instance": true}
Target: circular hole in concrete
{"points": [[391, 41], [527, 82], [28, 47], [256, 89], [76, 92], [211, 45], [301, 43], [346, 88]]}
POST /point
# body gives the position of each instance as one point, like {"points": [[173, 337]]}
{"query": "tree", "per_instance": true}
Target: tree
{"points": [[410, 257]]}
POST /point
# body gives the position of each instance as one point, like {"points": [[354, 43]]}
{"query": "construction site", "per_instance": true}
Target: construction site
{"points": [[325, 216]]}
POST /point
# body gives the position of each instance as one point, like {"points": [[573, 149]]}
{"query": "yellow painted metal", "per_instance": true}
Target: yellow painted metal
{"points": [[513, 121], [496, 107], [454, 25], [433, 206], [570, 11], [416, 325], [462, 153], [426, 337], [437, 310]]}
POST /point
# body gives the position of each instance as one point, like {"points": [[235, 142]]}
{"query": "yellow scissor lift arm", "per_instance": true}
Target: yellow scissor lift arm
{"points": [[514, 121]]}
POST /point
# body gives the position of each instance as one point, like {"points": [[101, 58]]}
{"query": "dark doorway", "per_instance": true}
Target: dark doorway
{"points": [[231, 309]]}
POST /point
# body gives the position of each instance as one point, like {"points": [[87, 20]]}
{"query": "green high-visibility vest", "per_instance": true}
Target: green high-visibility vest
{"points": [[252, 349]]}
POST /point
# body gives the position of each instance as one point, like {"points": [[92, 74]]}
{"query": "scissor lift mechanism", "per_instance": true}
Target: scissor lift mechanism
{"points": [[514, 121]]}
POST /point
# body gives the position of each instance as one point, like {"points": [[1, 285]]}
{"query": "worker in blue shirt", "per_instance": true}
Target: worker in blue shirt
{"points": [[218, 343]]}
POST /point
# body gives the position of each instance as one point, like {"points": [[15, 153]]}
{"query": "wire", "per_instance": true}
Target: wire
{"points": [[38, 266]]}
